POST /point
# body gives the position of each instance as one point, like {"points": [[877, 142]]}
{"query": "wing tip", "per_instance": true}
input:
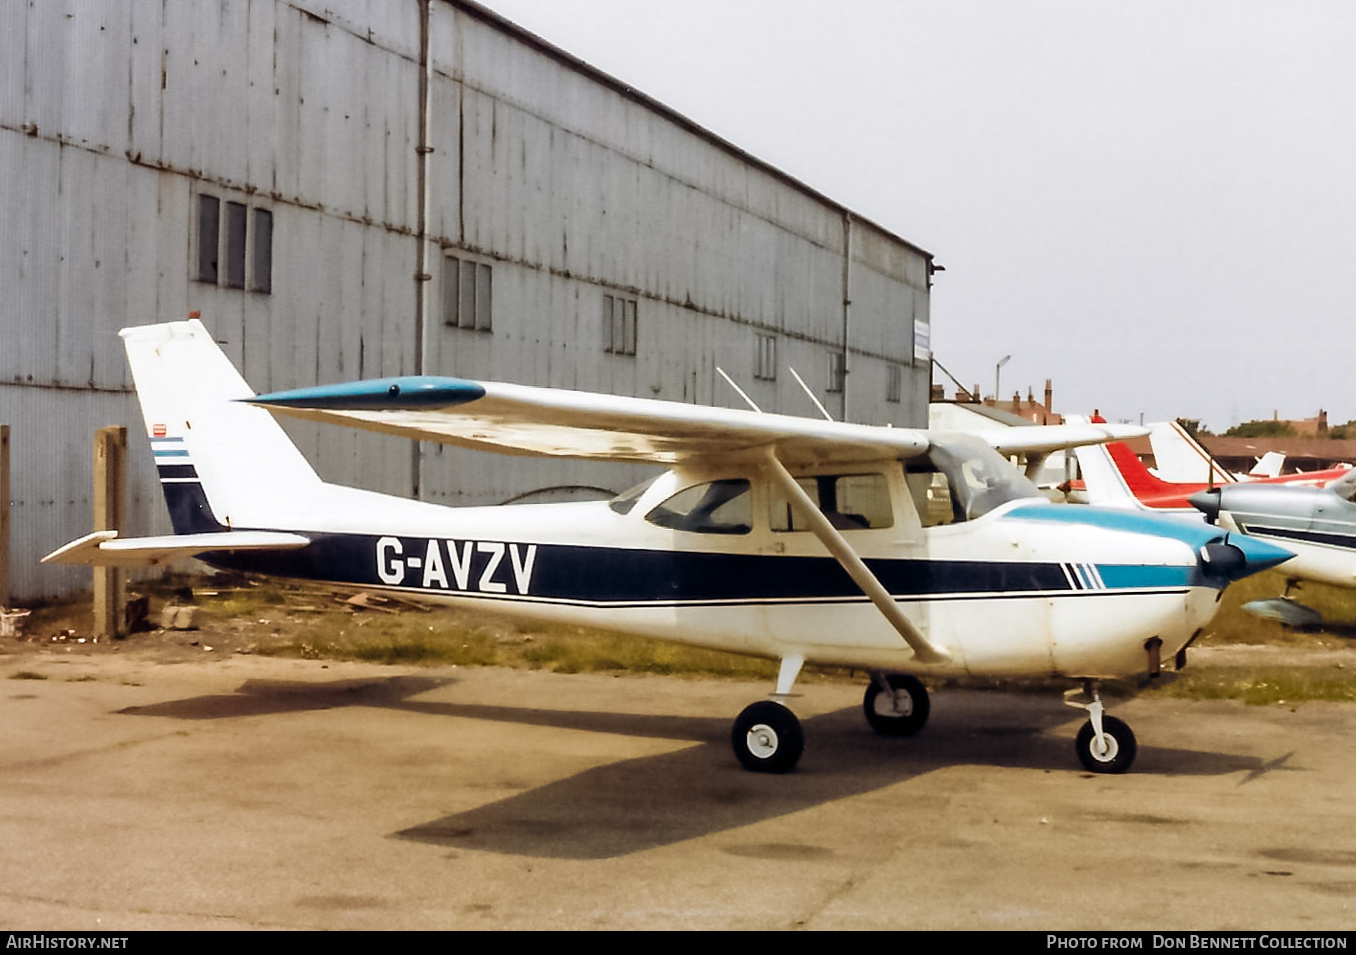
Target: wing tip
{"points": [[408, 393]]}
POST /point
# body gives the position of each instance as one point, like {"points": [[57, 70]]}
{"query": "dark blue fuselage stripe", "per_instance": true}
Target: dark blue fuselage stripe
{"points": [[188, 509], [176, 471], [1340, 541], [615, 576]]}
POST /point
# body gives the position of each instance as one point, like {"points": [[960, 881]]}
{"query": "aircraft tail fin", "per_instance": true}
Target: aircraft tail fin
{"points": [[1102, 482], [222, 463], [1179, 457], [1115, 476], [1269, 465]]}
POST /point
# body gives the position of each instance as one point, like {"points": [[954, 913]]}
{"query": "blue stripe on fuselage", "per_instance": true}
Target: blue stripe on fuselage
{"points": [[1190, 529]]}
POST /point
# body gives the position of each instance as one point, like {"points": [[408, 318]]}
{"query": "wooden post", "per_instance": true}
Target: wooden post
{"points": [[110, 476], [4, 517]]}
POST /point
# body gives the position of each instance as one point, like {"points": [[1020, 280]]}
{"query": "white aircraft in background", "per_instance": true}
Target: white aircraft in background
{"points": [[899, 551], [1180, 459]]}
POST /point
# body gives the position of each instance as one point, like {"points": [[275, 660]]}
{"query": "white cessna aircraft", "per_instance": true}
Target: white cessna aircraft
{"points": [[898, 551]]}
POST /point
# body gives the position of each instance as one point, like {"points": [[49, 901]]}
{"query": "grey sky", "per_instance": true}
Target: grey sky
{"points": [[1151, 203]]}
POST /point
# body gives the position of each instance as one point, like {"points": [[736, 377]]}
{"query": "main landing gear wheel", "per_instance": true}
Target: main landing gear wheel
{"points": [[900, 712], [767, 738], [1116, 752]]}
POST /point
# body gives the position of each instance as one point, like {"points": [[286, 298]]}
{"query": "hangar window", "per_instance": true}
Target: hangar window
{"points": [[619, 325], [261, 265], [466, 293], [894, 383], [236, 217], [234, 251], [837, 372], [209, 225], [765, 361]]}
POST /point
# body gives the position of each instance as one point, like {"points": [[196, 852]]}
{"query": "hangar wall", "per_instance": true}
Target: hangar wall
{"points": [[347, 189]]}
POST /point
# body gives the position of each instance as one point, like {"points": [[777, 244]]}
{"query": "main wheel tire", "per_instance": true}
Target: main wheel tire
{"points": [[901, 712], [767, 738], [1120, 747]]}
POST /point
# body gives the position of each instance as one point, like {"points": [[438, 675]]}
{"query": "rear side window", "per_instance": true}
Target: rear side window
{"points": [[717, 507]]}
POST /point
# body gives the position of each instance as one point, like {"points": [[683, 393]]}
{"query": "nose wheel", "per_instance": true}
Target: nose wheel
{"points": [[1104, 743]]}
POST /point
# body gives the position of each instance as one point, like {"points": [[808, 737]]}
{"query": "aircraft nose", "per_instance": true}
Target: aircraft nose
{"points": [[1207, 502], [1236, 556]]}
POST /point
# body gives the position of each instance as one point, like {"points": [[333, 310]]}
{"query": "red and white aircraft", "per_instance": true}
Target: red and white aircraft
{"points": [[1178, 457], [1114, 475]]}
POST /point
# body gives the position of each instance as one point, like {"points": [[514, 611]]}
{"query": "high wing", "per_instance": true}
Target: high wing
{"points": [[106, 549], [1042, 439], [522, 419]]}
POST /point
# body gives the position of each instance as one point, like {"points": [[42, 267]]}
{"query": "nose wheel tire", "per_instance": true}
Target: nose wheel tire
{"points": [[767, 738], [1117, 749], [900, 712]]}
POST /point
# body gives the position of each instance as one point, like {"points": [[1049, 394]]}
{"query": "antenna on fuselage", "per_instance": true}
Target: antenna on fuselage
{"points": [[730, 381], [801, 381]]}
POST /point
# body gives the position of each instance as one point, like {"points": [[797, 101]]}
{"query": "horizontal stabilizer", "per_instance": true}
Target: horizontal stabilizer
{"points": [[106, 549]]}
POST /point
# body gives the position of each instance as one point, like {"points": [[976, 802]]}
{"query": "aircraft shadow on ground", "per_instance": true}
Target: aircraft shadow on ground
{"points": [[266, 697], [638, 804]]}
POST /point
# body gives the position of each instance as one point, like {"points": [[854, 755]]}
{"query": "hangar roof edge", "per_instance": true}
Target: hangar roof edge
{"points": [[499, 22]]}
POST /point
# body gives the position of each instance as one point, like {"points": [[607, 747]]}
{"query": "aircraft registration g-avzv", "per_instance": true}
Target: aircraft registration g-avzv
{"points": [[898, 551]]}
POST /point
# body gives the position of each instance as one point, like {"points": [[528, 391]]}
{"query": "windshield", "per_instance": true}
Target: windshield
{"points": [[979, 478]]}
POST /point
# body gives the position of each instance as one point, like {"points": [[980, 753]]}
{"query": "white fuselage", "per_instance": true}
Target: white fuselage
{"points": [[1013, 592]]}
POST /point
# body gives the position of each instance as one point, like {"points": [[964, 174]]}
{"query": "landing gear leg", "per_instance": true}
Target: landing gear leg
{"points": [[1104, 743]]}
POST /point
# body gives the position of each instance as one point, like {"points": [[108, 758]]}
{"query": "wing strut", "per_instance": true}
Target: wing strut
{"points": [[924, 651]]}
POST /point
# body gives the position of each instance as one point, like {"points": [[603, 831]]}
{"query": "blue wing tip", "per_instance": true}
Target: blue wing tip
{"points": [[406, 393]]}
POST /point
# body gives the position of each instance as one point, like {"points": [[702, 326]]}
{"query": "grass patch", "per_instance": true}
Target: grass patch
{"points": [[1233, 625], [1262, 686], [445, 637]]}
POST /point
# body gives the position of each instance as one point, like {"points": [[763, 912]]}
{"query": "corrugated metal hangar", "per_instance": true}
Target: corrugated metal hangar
{"points": [[348, 188]]}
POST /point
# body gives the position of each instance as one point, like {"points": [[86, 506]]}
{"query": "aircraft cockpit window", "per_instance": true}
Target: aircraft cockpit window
{"points": [[931, 494], [626, 500], [851, 502], [1344, 488], [718, 507], [964, 478]]}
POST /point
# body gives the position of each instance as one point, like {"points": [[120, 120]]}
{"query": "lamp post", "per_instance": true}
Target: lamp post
{"points": [[998, 395]]}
